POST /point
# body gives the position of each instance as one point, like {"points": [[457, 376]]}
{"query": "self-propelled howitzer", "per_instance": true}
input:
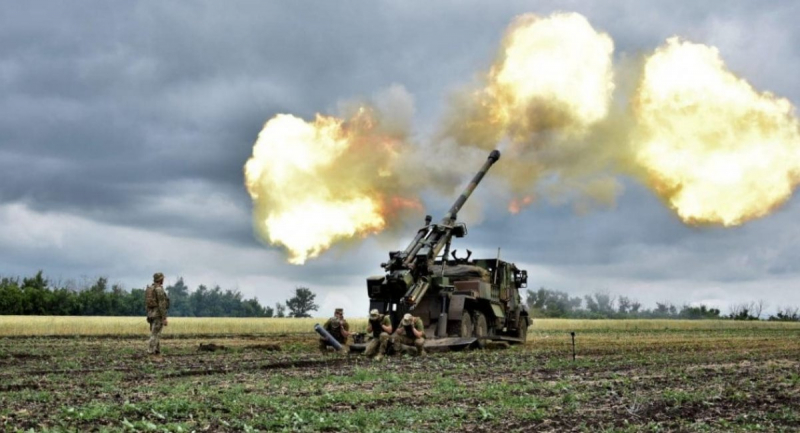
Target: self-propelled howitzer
{"points": [[470, 300], [409, 269]]}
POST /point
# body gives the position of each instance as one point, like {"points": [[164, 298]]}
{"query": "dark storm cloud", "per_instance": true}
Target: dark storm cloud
{"points": [[103, 113], [141, 115]]}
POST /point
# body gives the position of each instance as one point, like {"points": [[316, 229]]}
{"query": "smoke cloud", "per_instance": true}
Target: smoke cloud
{"points": [[570, 124]]}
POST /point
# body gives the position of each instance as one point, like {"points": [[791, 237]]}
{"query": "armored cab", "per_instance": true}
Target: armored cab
{"points": [[461, 301]]}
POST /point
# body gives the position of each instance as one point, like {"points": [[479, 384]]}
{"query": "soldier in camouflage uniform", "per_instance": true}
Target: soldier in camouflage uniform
{"points": [[411, 332], [339, 329], [157, 304], [379, 330]]}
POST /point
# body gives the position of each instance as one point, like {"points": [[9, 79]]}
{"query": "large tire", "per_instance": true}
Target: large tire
{"points": [[522, 331], [466, 329], [481, 329]]}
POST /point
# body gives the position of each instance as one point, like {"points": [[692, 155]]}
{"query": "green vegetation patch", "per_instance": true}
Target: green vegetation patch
{"points": [[646, 379]]}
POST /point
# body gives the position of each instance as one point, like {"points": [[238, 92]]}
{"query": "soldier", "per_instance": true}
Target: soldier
{"points": [[339, 329], [380, 331], [157, 304], [410, 332]]}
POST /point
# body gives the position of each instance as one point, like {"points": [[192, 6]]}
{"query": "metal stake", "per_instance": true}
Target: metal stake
{"points": [[573, 345]]}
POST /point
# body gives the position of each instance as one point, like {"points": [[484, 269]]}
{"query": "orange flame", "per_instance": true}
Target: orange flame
{"points": [[714, 148], [551, 83], [315, 183], [552, 74], [517, 205]]}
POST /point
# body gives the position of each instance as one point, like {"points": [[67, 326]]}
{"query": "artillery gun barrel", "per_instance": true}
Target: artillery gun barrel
{"points": [[431, 239], [450, 217], [439, 237]]}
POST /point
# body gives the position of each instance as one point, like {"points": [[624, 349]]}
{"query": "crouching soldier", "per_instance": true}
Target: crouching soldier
{"points": [[411, 332], [379, 330], [339, 329]]}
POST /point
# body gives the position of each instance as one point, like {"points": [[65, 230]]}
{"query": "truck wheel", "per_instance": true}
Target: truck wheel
{"points": [[481, 329], [466, 326], [522, 332]]}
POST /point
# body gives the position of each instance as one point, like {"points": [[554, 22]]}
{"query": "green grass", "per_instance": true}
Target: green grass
{"points": [[693, 376]]}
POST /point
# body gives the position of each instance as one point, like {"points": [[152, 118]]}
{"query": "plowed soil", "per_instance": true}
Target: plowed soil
{"points": [[657, 380]]}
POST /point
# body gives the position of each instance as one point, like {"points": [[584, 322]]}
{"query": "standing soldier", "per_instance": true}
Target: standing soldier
{"points": [[157, 304], [339, 329], [379, 330], [410, 332]]}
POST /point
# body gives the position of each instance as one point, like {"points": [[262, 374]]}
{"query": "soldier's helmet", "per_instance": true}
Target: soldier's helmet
{"points": [[335, 324], [338, 311], [374, 313], [406, 319], [158, 276]]}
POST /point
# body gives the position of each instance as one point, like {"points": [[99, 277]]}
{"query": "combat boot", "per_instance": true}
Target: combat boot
{"points": [[378, 357], [408, 350]]}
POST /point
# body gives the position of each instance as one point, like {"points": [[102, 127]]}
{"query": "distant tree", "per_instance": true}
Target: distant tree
{"points": [[36, 298], [118, 301], [662, 310], [35, 295], [95, 299], [269, 312], [302, 302], [136, 303], [233, 303], [534, 301], [551, 303], [623, 305], [198, 300], [591, 304], [179, 299], [37, 282], [600, 304], [759, 307], [742, 311], [786, 314], [672, 310], [11, 297], [251, 308], [698, 312], [215, 305], [280, 310], [627, 307]]}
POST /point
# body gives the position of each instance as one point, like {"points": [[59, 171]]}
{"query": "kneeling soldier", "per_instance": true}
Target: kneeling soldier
{"points": [[410, 332], [339, 329], [379, 330]]}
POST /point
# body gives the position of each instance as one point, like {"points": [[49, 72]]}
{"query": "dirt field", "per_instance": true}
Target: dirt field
{"points": [[705, 378]]}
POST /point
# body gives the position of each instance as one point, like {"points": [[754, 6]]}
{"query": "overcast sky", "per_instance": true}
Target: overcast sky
{"points": [[124, 127]]}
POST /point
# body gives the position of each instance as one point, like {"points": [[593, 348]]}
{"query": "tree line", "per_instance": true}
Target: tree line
{"points": [[602, 305], [37, 296]]}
